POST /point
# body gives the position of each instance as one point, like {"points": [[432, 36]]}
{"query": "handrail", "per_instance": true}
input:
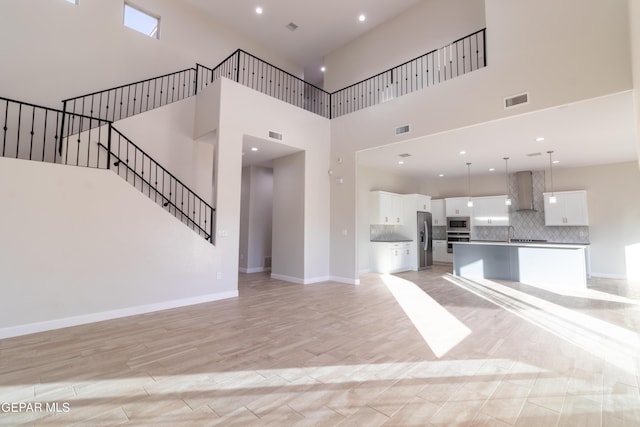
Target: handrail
{"points": [[34, 132], [126, 100], [283, 71], [128, 84], [162, 196], [186, 203], [413, 75], [164, 170], [407, 62]]}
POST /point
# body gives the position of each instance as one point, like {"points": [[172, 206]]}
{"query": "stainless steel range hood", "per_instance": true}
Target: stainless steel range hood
{"points": [[524, 184]]}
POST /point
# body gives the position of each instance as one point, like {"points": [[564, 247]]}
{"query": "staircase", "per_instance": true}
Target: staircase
{"points": [[83, 132]]}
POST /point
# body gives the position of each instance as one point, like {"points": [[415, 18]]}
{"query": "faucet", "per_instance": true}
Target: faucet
{"points": [[511, 233]]}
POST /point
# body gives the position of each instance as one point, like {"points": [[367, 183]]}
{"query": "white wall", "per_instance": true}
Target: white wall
{"points": [[54, 50], [81, 245], [245, 207], [369, 180], [256, 217], [166, 134], [427, 26], [556, 66], [634, 25], [289, 218], [243, 112]]}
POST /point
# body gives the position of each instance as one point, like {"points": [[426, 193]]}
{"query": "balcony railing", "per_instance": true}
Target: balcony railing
{"points": [[455, 59], [251, 71]]}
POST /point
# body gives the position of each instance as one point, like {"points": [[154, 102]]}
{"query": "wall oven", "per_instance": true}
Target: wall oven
{"points": [[456, 236], [458, 224]]}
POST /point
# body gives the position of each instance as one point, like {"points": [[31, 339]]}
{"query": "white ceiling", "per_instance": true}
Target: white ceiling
{"points": [[591, 132], [323, 26], [267, 150]]}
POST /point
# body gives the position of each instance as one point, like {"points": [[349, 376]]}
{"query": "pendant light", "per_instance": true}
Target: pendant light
{"points": [[552, 198], [470, 202], [506, 173]]}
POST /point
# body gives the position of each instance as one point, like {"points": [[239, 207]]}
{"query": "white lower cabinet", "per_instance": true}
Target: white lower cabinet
{"points": [[390, 257], [440, 252]]}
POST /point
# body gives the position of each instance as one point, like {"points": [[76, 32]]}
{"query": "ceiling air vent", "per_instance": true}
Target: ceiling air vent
{"points": [[403, 129], [275, 135], [404, 155], [291, 26], [516, 100]]}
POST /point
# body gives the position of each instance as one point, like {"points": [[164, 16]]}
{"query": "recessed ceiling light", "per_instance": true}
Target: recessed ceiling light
{"points": [[492, 169], [259, 10], [441, 175], [462, 153], [539, 139], [400, 162], [323, 69], [362, 18], [555, 162], [254, 148]]}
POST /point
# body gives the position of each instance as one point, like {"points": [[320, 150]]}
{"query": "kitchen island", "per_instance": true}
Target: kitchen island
{"points": [[540, 264]]}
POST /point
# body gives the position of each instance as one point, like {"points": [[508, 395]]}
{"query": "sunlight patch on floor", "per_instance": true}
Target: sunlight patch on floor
{"points": [[616, 345], [440, 329]]}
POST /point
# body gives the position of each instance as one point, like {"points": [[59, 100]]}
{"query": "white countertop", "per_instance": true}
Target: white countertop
{"points": [[525, 245]]}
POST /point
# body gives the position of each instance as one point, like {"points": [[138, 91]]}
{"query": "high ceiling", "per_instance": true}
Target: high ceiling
{"points": [[323, 26], [590, 132], [587, 133]]}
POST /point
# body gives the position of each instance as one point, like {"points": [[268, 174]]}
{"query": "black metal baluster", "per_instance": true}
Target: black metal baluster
{"points": [[5, 128], [44, 133], [19, 126], [173, 89], [33, 123]]}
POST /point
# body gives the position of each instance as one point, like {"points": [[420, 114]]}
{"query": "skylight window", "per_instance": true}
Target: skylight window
{"points": [[141, 21], [72, 1]]}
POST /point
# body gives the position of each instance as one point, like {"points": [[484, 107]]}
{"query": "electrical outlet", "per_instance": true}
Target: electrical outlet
{"points": [[219, 275]]}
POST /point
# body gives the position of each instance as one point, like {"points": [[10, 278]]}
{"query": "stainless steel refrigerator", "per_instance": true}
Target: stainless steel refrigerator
{"points": [[425, 244]]}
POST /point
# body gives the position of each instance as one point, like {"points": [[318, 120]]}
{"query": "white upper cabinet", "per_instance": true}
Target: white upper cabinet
{"points": [[570, 208], [423, 203], [386, 208], [490, 211], [437, 212], [457, 206]]}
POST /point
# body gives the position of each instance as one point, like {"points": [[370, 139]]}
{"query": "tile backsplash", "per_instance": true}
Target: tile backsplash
{"points": [[530, 224]]}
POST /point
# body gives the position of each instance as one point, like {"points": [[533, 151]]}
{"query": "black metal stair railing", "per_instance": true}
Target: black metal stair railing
{"points": [[455, 59], [127, 100], [251, 71], [143, 172], [33, 132]]}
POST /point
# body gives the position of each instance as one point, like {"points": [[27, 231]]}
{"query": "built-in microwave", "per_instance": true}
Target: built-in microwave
{"points": [[458, 223]]}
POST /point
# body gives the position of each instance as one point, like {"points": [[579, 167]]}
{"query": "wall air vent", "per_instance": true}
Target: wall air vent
{"points": [[400, 130], [275, 135], [291, 26], [516, 100]]}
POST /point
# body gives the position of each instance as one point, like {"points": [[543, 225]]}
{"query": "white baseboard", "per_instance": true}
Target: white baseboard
{"points": [[299, 280], [253, 270], [49, 325], [287, 278], [345, 280], [608, 276]]}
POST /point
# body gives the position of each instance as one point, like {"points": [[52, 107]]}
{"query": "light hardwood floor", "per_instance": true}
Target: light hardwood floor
{"points": [[333, 354]]}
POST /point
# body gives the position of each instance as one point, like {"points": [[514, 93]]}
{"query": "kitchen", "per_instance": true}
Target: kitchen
{"points": [[610, 226]]}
